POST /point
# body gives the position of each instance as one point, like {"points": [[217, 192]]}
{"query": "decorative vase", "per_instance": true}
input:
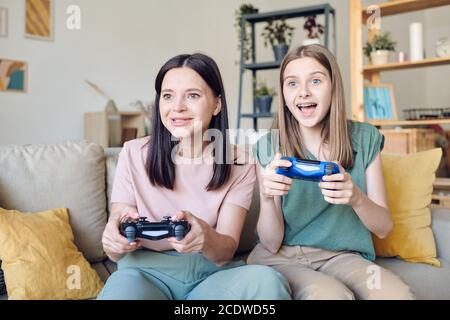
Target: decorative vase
{"points": [[279, 51], [379, 57], [263, 104], [416, 48], [310, 41]]}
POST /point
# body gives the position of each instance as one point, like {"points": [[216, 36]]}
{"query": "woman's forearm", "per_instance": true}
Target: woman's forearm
{"points": [[270, 225], [375, 217], [219, 248], [113, 256]]}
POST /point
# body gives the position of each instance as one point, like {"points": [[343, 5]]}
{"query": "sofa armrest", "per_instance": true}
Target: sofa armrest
{"points": [[441, 230]]}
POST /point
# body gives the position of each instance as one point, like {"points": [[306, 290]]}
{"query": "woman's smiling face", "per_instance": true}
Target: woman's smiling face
{"points": [[307, 91], [186, 102]]}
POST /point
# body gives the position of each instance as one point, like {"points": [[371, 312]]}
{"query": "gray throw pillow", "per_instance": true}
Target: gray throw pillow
{"points": [[69, 174]]}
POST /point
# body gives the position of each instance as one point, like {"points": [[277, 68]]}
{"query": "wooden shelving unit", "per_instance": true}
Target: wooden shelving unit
{"points": [[406, 65], [403, 6], [370, 74], [391, 123], [108, 128], [441, 199]]}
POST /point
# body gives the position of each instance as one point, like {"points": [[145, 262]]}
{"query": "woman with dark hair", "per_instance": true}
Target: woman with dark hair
{"points": [[178, 171]]}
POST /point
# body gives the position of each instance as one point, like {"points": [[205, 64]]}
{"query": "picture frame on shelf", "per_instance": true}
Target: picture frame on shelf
{"points": [[379, 102], [13, 75], [39, 19], [3, 22]]}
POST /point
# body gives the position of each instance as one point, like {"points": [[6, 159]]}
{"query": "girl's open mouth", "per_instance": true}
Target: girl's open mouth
{"points": [[307, 109]]}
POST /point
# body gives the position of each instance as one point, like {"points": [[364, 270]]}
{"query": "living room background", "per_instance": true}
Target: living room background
{"points": [[121, 45]]}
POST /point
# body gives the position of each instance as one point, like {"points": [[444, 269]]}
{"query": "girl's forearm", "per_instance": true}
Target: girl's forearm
{"points": [[375, 217], [270, 225]]}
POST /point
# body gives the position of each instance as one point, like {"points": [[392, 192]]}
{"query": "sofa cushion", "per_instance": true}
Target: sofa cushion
{"points": [[101, 270], [426, 281], [112, 156], [249, 236], [40, 259], [64, 175], [409, 184], [441, 230], [110, 265]]}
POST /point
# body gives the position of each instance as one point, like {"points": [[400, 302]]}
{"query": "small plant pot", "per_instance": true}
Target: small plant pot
{"points": [[379, 57], [279, 51], [263, 104]]}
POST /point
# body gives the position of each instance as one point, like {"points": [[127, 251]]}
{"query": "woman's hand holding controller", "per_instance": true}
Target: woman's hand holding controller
{"points": [[114, 244], [195, 239]]}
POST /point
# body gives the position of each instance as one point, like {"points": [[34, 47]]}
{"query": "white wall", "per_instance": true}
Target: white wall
{"points": [[122, 45]]}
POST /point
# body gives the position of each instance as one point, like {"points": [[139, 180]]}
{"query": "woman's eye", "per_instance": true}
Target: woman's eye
{"points": [[167, 96], [193, 95], [316, 81]]}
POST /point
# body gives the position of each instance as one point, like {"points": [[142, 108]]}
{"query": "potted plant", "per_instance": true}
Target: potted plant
{"points": [[246, 40], [314, 31], [263, 97], [279, 34], [379, 48]]}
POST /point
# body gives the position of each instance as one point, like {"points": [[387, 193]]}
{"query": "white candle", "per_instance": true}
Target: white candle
{"points": [[416, 41]]}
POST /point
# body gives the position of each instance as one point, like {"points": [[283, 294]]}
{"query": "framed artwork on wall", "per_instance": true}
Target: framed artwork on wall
{"points": [[379, 102], [13, 75], [39, 19], [3, 22]]}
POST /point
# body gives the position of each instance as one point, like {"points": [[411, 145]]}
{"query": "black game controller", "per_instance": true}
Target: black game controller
{"points": [[154, 230]]}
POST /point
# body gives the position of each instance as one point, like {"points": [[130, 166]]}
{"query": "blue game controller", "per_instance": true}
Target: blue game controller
{"points": [[309, 170]]}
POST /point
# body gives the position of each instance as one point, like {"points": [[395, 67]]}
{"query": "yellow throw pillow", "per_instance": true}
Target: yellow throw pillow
{"points": [[409, 185], [40, 259]]}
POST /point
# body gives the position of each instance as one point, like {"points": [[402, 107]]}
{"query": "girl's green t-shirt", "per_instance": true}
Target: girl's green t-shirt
{"points": [[311, 221]]}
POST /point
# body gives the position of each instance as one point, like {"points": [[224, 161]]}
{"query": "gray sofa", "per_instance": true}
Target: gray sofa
{"points": [[79, 175]]}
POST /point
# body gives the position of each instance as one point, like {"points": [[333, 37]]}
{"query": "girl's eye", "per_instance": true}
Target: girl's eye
{"points": [[292, 83], [316, 81], [167, 96]]}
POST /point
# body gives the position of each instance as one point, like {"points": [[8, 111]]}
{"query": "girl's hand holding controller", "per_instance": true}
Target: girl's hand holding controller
{"points": [[113, 242], [196, 239], [274, 184], [339, 188]]}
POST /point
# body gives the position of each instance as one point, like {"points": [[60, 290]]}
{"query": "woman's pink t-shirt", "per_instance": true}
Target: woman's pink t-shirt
{"points": [[132, 186]]}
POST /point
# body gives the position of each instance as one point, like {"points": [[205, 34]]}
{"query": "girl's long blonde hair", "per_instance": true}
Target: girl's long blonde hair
{"points": [[335, 132]]}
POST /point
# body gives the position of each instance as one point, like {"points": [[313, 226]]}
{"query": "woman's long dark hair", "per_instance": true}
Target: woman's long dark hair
{"points": [[160, 167]]}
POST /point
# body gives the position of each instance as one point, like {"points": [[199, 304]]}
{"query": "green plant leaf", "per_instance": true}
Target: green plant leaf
{"points": [[380, 42], [277, 32], [244, 9]]}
